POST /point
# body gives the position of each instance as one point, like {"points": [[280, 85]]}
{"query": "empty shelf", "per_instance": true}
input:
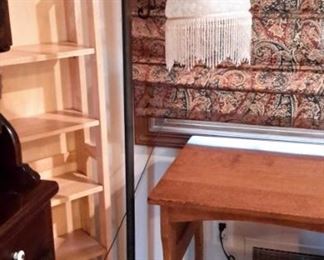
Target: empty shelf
{"points": [[77, 245], [42, 52], [73, 186], [50, 124]]}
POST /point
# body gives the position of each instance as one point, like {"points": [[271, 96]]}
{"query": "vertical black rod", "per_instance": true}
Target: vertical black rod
{"points": [[129, 129]]}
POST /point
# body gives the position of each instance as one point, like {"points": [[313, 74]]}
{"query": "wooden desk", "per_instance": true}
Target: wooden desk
{"points": [[207, 183]]}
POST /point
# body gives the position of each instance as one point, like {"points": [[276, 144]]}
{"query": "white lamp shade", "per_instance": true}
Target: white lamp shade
{"points": [[208, 32]]}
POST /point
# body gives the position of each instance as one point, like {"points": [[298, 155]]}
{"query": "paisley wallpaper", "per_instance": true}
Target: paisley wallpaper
{"points": [[284, 85]]}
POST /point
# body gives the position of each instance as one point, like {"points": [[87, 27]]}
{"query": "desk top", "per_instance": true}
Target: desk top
{"points": [[245, 185]]}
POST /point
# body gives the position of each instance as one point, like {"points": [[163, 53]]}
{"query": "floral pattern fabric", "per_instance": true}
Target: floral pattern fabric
{"points": [[284, 85]]}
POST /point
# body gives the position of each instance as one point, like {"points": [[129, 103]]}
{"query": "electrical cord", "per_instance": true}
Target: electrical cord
{"points": [[221, 228], [135, 190], [116, 235], [125, 214]]}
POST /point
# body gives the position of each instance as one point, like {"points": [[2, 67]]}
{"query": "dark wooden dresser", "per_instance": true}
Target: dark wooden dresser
{"points": [[25, 211]]}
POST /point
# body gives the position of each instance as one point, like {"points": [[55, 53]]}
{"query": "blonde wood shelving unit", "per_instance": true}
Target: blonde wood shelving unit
{"points": [[68, 144]]}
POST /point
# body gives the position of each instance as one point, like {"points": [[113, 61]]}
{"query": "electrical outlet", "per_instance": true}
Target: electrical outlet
{"points": [[221, 227], [215, 233]]}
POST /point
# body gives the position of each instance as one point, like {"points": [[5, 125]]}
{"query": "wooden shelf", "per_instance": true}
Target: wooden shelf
{"points": [[42, 52], [73, 186], [75, 76], [77, 245], [50, 124]]}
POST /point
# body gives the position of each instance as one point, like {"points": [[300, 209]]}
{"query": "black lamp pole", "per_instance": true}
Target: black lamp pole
{"points": [[129, 129]]}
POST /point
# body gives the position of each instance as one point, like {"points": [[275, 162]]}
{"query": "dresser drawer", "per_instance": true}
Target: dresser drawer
{"points": [[33, 235]]}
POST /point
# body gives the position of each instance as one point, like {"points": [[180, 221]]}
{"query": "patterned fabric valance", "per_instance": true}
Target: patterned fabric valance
{"points": [[284, 86]]}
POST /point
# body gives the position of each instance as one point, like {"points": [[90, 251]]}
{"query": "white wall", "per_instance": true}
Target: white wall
{"points": [[148, 245]]}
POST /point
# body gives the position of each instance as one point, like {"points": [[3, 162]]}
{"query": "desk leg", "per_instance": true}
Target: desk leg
{"points": [[168, 236], [176, 237], [199, 241]]}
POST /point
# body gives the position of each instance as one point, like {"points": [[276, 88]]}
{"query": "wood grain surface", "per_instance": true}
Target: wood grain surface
{"points": [[211, 183]]}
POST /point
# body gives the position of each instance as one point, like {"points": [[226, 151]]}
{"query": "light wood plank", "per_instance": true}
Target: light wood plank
{"points": [[73, 186], [50, 124], [42, 52], [77, 245], [100, 112]]}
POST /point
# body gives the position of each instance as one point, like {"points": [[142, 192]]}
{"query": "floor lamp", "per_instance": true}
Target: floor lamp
{"points": [[129, 129]]}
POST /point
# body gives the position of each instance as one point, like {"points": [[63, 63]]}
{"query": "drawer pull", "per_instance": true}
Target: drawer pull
{"points": [[20, 255]]}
